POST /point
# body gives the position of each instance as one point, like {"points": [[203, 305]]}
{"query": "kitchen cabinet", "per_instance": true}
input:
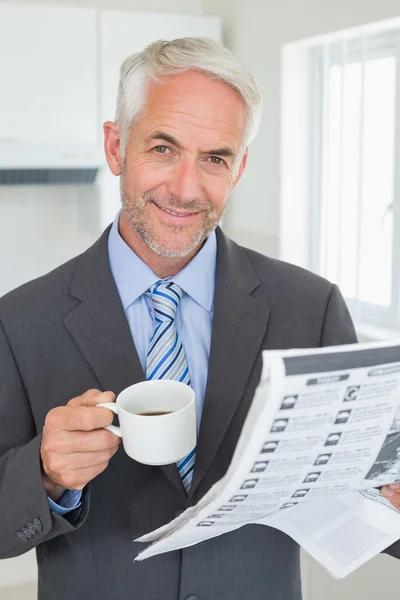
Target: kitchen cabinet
{"points": [[48, 75]]}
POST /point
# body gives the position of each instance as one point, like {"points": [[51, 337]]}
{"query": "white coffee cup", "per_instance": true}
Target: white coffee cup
{"points": [[156, 439]]}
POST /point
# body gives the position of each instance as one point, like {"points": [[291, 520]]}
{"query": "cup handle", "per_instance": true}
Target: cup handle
{"points": [[114, 408]]}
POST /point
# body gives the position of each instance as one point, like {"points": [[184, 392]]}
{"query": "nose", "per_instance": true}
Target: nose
{"points": [[185, 182]]}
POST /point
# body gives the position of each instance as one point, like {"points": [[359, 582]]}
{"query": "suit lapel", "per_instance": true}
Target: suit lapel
{"points": [[100, 329], [239, 327]]}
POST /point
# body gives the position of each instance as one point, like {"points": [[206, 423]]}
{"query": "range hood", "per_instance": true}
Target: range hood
{"points": [[22, 164]]}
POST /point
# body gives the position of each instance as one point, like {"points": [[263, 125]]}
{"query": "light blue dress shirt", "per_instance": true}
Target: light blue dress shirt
{"points": [[194, 317]]}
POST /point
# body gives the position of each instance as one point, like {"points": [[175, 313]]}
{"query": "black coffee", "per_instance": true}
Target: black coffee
{"points": [[155, 414]]}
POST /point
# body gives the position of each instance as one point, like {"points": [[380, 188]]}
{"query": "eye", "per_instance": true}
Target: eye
{"points": [[161, 149], [217, 160]]}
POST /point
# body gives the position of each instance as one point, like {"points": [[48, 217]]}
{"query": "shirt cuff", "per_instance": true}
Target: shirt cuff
{"points": [[70, 500]]}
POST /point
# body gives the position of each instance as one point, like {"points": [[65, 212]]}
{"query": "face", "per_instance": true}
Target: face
{"points": [[183, 157]]}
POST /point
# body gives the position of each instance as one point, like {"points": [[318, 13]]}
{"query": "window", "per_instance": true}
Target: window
{"points": [[356, 174]]}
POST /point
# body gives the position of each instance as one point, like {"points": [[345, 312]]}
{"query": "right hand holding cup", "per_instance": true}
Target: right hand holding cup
{"points": [[75, 446]]}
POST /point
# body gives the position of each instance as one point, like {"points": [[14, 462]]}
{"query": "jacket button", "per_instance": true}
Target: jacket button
{"points": [[31, 528], [192, 597], [26, 532], [21, 536], [37, 523]]}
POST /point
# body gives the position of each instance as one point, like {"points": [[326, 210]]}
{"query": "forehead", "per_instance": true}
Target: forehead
{"points": [[193, 103]]}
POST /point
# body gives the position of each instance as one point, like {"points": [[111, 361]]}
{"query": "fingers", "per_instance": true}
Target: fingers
{"points": [[70, 442], [91, 398], [78, 478], [78, 418], [391, 490], [392, 493], [61, 464], [74, 471]]}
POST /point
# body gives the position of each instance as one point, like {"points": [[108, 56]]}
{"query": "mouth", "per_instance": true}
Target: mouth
{"points": [[175, 216]]}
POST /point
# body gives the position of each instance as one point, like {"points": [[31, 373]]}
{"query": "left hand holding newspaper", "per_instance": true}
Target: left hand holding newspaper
{"points": [[392, 493]]}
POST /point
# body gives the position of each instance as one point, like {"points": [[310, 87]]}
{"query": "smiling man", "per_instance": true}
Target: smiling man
{"points": [[187, 111], [182, 160]]}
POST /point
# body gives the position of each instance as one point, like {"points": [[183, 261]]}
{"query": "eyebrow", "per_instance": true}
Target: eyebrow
{"points": [[170, 139]]}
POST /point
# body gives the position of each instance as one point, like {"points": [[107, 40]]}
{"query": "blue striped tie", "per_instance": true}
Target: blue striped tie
{"points": [[166, 357]]}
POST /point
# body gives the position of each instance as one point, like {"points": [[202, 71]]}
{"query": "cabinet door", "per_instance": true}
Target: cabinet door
{"points": [[122, 34], [48, 75]]}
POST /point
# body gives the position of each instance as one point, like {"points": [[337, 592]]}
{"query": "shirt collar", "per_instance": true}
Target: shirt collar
{"points": [[133, 277]]}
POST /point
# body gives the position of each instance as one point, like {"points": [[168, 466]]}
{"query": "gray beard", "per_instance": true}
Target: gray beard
{"points": [[162, 250], [134, 209]]}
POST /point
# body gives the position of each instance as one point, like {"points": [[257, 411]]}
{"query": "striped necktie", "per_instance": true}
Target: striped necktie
{"points": [[166, 357]]}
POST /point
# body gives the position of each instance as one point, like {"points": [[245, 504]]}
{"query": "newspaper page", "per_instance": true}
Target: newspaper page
{"points": [[322, 434]]}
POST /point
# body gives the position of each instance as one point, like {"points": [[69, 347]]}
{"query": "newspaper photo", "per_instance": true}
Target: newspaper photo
{"points": [[321, 437]]}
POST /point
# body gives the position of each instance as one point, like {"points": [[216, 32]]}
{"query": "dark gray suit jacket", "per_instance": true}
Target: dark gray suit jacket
{"points": [[65, 333]]}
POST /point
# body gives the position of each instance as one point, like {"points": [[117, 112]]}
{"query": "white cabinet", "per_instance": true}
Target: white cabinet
{"points": [[122, 34], [48, 75]]}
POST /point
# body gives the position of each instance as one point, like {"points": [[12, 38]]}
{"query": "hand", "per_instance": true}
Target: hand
{"points": [[75, 446], [392, 493]]}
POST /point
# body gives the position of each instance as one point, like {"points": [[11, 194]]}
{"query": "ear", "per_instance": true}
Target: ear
{"points": [[242, 166], [112, 147]]}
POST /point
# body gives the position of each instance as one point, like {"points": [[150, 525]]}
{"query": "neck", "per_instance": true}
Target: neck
{"points": [[162, 266]]}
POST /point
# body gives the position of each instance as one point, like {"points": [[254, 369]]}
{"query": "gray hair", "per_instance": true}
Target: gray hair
{"points": [[163, 58]]}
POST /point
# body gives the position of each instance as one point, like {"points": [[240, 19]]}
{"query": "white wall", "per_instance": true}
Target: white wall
{"points": [[256, 30], [45, 226], [167, 6]]}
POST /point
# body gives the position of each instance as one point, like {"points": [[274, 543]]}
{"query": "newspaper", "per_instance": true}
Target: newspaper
{"points": [[321, 437]]}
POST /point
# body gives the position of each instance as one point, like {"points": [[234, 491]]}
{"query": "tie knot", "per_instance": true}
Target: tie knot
{"points": [[166, 297]]}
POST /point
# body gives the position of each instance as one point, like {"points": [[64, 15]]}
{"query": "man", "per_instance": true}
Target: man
{"points": [[186, 112]]}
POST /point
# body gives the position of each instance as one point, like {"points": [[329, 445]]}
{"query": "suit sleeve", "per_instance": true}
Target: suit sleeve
{"points": [[338, 327], [25, 516]]}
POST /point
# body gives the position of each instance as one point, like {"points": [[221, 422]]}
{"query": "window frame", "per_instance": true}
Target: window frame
{"points": [[378, 46]]}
